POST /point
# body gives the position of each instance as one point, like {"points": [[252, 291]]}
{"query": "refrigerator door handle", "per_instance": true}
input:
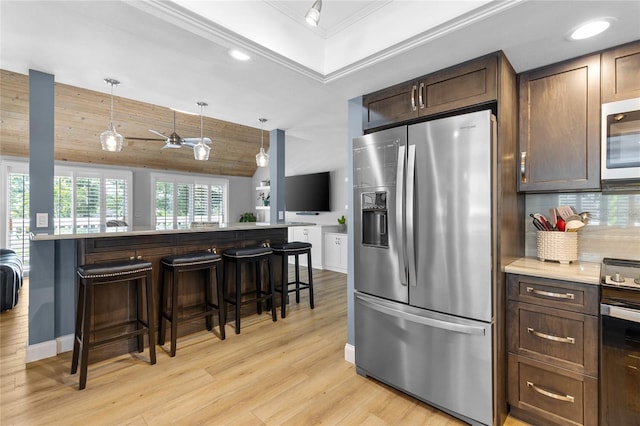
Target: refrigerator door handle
{"points": [[400, 228], [419, 319], [411, 248]]}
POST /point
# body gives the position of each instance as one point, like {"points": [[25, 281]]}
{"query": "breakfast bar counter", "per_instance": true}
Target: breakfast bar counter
{"points": [[52, 301]]}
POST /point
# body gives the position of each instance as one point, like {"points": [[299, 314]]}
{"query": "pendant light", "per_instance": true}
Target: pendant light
{"points": [[201, 150], [313, 14], [110, 139], [262, 158]]}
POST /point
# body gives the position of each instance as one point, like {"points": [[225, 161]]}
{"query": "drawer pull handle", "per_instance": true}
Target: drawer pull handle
{"points": [[570, 296], [567, 398], [550, 337]]}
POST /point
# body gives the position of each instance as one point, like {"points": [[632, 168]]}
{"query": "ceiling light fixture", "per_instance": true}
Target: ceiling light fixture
{"points": [[201, 150], [589, 29], [313, 14], [239, 55], [110, 139], [262, 158]]}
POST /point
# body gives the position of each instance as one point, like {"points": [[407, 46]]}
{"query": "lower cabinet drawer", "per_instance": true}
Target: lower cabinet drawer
{"points": [[552, 394], [567, 339]]}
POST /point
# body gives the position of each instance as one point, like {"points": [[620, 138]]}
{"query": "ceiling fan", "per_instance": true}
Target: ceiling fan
{"points": [[174, 140]]}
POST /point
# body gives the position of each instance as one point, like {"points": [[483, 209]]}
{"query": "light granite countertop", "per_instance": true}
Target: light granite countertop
{"points": [[123, 231], [582, 272]]}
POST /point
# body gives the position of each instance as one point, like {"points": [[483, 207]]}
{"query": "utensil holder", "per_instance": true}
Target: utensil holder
{"points": [[557, 246]]}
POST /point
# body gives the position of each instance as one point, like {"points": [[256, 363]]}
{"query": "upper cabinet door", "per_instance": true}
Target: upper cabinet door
{"points": [[391, 105], [463, 85], [559, 126], [621, 73]]}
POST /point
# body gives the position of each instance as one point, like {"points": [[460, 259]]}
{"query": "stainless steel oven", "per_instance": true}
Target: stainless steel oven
{"points": [[620, 343], [620, 146]]}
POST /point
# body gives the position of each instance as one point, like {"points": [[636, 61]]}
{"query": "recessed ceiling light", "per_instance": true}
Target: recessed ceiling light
{"points": [[240, 56], [590, 29]]}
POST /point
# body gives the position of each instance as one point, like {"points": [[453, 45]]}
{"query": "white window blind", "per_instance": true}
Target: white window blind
{"points": [[181, 201]]}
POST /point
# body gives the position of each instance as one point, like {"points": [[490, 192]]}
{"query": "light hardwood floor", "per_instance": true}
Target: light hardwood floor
{"points": [[291, 372]]}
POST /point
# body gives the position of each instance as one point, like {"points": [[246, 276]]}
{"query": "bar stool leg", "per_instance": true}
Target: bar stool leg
{"points": [[297, 278], [222, 315], [310, 278], [258, 269], [139, 312], [163, 304], [285, 285], [86, 320], [274, 315], [208, 284], [238, 297], [150, 325], [174, 314], [78, 332]]}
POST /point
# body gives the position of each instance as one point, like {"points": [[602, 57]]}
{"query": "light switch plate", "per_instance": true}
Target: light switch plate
{"points": [[42, 220]]}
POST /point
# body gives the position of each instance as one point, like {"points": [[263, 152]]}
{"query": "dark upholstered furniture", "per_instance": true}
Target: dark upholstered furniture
{"points": [[90, 276], [296, 249], [11, 270], [174, 267], [256, 257]]}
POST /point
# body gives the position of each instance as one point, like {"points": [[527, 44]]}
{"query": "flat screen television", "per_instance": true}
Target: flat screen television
{"points": [[307, 193]]}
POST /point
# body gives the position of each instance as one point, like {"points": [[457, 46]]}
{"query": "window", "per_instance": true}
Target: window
{"points": [[84, 199], [181, 200]]}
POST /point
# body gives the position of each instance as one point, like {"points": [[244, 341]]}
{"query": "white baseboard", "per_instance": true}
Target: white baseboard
{"points": [[350, 353], [40, 351], [64, 343], [48, 349]]}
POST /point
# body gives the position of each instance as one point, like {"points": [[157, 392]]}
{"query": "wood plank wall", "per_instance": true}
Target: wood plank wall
{"points": [[81, 115]]}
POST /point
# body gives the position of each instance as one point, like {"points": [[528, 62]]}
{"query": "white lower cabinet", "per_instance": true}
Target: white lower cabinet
{"points": [[308, 234], [335, 252]]}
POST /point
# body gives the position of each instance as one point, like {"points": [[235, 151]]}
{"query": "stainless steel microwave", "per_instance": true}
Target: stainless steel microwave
{"points": [[620, 147]]}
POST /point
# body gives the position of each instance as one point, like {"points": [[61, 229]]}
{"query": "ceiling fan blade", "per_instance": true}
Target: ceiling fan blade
{"points": [[144, 139], [191, 142], [170, 145], [159, 133]]}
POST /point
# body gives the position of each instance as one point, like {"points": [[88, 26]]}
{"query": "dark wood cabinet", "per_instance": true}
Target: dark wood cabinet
{"points": [[559, 126], [471, 83], [552, 342], [621, 72]]}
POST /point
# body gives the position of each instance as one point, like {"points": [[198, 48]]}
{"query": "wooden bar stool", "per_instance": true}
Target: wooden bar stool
{"points": [[173, 312], [90, 276], [256, 256], [284, 250]]}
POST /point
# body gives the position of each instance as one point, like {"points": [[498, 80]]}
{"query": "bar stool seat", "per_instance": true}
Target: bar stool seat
{"points": [[174, 313], [90, 276], [284, 250], [256, 256]]}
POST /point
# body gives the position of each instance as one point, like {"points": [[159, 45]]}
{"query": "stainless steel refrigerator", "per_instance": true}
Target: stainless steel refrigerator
{"points": [[424, 198]]}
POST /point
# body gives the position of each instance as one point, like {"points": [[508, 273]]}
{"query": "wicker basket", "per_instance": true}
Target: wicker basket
{"points": [[557, 246]]}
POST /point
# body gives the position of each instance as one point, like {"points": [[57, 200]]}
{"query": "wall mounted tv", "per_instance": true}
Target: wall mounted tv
{"points": [[309, 193]]}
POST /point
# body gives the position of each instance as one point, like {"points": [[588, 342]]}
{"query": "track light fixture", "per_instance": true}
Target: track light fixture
{"points": [[262, 158], [201, 150], [313, 14], [110, 139]]}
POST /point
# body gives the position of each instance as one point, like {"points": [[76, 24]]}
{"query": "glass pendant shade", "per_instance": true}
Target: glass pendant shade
{"points": [[111, 140], [262, 158], [201, 150], [313, 15]]}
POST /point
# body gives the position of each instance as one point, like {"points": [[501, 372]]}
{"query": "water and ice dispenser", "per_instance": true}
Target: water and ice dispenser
{"points": [[374, 219]]}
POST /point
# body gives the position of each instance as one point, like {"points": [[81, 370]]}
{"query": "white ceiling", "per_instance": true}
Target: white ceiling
{"points": [[175, 53]]}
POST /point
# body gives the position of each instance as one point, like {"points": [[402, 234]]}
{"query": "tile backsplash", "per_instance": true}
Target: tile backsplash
{"points": [[613, 231]]}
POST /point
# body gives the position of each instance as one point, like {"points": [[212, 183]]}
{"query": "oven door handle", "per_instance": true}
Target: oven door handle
{"points": [[621, 313]]}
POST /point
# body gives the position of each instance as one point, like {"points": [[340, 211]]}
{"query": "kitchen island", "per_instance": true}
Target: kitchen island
{"points": [[52, 293]]}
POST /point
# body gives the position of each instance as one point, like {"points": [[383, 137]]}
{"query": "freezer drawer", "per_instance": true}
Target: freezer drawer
{"points": [[441, 359]]}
